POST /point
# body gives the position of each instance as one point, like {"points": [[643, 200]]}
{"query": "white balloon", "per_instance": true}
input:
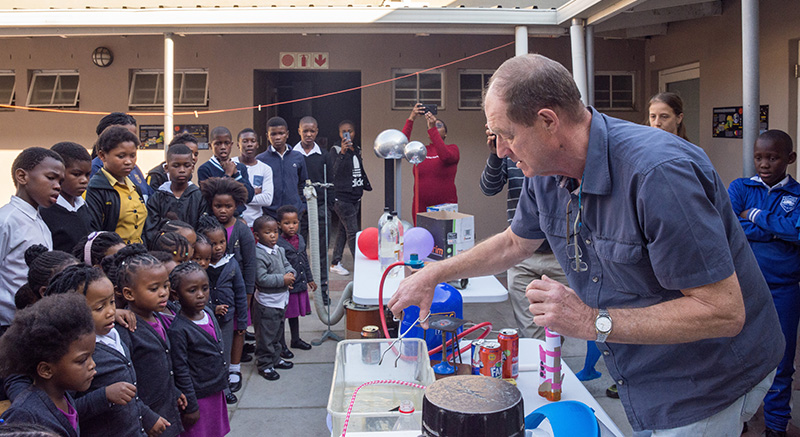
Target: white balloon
{"points": [[390, 144]]}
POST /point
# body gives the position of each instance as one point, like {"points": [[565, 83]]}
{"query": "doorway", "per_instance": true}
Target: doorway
{"points": [[283, 86], [685, 82]]}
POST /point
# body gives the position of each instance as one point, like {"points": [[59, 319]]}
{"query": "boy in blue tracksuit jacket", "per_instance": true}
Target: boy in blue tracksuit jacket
{"points": [[767, 206]]}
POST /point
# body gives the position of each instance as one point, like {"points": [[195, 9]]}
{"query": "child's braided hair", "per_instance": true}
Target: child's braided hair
{"points": [[121, 267], [179, 272], [74, 279]]}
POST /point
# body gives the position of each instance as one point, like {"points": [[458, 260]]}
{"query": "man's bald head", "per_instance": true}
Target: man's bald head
{"points": [[529, 83]]}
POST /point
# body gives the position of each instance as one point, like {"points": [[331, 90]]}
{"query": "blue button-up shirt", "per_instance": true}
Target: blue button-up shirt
{"points": [[656, 219]]}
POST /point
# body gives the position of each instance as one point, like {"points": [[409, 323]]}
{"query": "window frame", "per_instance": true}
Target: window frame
{"points": [[611, 75], [406, 71], [35, 74], [159, 86], [484, 79], [10, 73]]}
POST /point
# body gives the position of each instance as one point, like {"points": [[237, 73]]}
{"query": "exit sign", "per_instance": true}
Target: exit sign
{"points": [[304, 60]]}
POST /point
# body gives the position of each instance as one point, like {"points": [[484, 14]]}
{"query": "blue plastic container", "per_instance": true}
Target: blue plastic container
{"points": [[447, 301]]}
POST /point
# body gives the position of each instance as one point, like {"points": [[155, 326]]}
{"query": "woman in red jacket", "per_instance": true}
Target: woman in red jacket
{"points": [[435, 178]]}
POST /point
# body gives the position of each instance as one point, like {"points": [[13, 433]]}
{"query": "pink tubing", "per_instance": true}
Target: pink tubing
{"points": [[486, 325], [378, 381]]}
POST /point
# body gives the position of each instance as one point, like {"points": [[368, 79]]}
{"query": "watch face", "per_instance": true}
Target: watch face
{"points": [[603, 324]]}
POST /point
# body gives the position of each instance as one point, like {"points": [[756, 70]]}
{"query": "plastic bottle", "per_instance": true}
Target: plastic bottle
{"points": [[387, 244], [406, 421], [400, 232], [384, 217]]}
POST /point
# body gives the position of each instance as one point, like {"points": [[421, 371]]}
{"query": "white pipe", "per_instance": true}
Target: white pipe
{"points": [[169, 86], [751, 112], [590, 65], [520, 40], [579, 56]]}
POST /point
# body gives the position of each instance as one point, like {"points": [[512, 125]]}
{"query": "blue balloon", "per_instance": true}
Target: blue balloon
{"points": [[417, 240]]}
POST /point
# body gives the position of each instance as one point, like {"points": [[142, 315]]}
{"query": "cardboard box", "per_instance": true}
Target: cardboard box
{"points": [[453, 232], [444, 207]]}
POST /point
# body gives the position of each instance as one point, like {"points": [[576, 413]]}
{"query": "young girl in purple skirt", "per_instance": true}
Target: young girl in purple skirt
{"points": [[200, 369]]}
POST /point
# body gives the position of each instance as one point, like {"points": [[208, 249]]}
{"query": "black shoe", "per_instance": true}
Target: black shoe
{"points": [[612, 392], [249, 348], [246, 358], [249, 337], [286, 353], [236, 386], [284, 365], [300, 344], [269, 374], [744, 428], [231, 399], [326, 300], [769, 432]]}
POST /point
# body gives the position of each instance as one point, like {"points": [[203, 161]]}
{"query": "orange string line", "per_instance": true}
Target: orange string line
{"points": [[245, 108]]}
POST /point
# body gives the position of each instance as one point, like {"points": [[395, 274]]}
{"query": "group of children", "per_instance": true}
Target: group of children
{"points": [[125, 313]]}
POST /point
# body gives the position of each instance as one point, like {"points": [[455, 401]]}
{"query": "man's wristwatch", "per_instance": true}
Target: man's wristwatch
{"points": [[603, 325]]}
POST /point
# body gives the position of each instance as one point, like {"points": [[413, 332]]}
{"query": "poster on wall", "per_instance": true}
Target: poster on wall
{"points": [[152, 136], [728, 121]]}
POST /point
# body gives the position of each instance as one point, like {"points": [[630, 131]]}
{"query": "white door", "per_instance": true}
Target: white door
{"points": [[685, 82]]}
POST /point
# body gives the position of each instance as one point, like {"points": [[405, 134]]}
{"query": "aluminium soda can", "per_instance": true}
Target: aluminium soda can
{"points": [[370, 351], [509, 341], [476, 356], [492, 359]]}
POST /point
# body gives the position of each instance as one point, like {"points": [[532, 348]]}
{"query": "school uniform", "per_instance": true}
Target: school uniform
{"points": [[163, 203], [157, 176], [771, 231], [35, 407], [116, 206], [21, 226], [320, 171], [213, 169], [68, 223], [269, 303], [227, 288], [136, 176], [152, 360], [198, 359], [112, 357], [290, 174], [242, 245]]}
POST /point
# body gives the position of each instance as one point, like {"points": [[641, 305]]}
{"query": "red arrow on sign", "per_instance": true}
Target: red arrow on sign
{"points": [[320, 60]]}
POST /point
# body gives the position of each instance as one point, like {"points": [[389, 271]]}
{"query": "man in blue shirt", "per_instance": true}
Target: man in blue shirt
{"points": [[663, 278]]}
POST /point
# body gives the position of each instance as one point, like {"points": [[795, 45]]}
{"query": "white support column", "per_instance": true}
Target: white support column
{"points": [[169, 86], [579, 56], [590, 65], [521, 40], [751, 112]]}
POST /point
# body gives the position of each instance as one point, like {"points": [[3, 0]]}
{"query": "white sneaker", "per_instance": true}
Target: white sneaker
{"points": [[339, 270]]}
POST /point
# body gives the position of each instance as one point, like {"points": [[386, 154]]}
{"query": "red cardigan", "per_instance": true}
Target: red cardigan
{"points": [[437, 175]]}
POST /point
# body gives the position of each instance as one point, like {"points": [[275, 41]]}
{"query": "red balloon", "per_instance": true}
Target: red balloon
{"points": [[368, 243]]}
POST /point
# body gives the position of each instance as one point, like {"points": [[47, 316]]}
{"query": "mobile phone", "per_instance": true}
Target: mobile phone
{"points": [[347, 136], [432, 108]]}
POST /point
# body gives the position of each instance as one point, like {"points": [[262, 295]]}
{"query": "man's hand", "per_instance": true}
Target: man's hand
{"points": [[491, 141], [229, 167], [416, 111], [126, 319], [159, 427], [558, 307], [416, 289], [120, 393]]}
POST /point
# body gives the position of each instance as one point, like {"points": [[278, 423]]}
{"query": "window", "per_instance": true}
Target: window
{"points": [[613, 90], [190, 88], [427, 87], [7, 84], [470, 87], [54, 88]]}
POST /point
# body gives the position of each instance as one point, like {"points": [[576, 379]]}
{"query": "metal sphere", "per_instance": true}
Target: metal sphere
{"points": [[390, 144], [415, 152]]}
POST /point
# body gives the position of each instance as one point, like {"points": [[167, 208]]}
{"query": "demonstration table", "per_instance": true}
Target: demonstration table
{"points": [[367, 277]]}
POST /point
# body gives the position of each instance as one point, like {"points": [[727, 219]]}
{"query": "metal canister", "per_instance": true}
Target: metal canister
{"points": [[370, 351], [509, 342], [476, 356], [492, 359]]}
